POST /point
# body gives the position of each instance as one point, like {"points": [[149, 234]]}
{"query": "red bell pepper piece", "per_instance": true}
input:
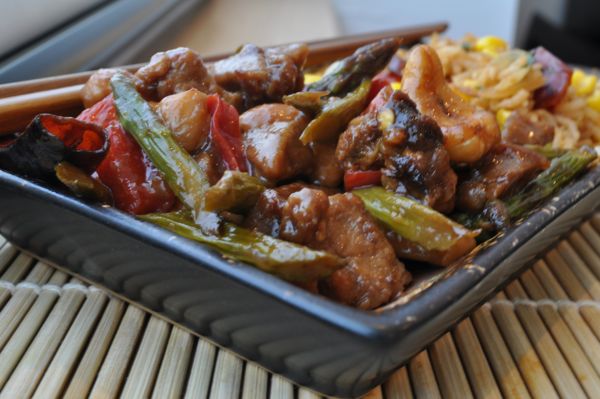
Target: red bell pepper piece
{"points": [[225, 133], [136, 184], [361, 178], [380, 100], [381, 80]]}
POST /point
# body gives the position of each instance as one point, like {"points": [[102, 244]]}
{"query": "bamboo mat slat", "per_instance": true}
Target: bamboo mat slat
{"points": [[112, 373], [256, 382], [475, 364], [538, 338], [87, 369], [58, 372], [508, 377], [227, 376], [591, 314], [555, 364], [526, 358], [421, 373], [170, 382], [7, 252], [40, 351], [145, 366], [582, 332], [398, 386], [585, 250], [281, 388], [22, 299], [448, 369], [580, 270], [201, 373], [375, 393]]}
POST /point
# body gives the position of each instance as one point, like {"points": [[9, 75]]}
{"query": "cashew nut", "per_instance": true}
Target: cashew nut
{"points": [[469, 132]]}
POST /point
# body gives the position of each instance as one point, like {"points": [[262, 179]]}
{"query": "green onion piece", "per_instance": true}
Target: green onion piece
{"points": [[282, 258], [184, 176], [412, 220]]}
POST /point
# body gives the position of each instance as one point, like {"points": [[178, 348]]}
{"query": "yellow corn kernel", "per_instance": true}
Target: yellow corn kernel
{"points": [[594, 101], [470, 83], [577, 77], [396, 85], [492, 45], [501, 117], [583, 83], [311, 78], [385, 118]]}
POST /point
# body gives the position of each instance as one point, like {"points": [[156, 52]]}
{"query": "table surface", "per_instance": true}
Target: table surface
{"points": [[540, 338]]}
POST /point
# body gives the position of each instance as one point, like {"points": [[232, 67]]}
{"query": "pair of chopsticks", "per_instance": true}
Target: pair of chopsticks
{"points": [[21, 101]]}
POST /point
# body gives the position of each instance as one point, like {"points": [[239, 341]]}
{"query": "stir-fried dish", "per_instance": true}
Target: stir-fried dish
{"points": [[330, 178]]}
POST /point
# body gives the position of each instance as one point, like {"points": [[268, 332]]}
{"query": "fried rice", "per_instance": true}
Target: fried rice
{"points": [[504, 81]]}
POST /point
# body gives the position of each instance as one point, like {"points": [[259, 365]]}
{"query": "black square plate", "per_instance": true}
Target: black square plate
{"points": [[315, 342]]}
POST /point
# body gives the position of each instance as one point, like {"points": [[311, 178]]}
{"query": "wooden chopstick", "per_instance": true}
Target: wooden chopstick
{"points": [[17, 111], [320, 51], [21, 101]]}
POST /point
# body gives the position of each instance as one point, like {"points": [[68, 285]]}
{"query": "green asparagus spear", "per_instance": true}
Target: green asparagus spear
{"points": [[560, 172], [546, 150], [350, 71], [498, 214], [413, 221], [235, 191], [309, 102], [188, 181], [287, 260], [335, 115]]}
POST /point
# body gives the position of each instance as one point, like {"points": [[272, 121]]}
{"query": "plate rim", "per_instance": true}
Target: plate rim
{"points": [[378, 326]]}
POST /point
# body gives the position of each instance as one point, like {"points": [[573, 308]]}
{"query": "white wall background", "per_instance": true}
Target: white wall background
{"points": [[503, 18], [23, 20]]}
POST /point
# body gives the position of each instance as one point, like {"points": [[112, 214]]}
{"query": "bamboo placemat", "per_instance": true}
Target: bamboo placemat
{"points": [[538, 338]]}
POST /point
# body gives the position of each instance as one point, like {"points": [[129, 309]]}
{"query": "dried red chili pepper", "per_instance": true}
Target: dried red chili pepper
{"points": [[225, 133], [51, 139]]}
